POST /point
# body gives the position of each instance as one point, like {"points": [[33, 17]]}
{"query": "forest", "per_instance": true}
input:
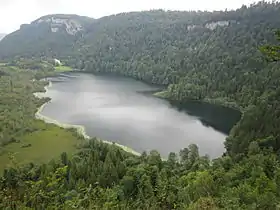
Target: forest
{"points": [[230, 58]]}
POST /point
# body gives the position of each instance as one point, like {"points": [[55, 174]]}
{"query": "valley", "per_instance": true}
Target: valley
{"points": [[229, 59]]}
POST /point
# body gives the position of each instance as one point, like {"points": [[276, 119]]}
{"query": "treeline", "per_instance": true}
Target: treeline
{"points": [[31, 64], [102, 176], [17, 103]]}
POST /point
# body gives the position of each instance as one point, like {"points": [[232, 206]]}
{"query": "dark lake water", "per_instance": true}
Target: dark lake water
{"points": [[119, 109]]}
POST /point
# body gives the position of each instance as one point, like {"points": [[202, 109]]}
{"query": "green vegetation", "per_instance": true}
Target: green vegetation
{"points": [[44, 146], [22, 136], [180, 49], [31, 64], [63, 68], [103, 176], [198, 60]]}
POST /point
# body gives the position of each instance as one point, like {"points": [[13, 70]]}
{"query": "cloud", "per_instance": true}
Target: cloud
{"points": [[5, 3]]}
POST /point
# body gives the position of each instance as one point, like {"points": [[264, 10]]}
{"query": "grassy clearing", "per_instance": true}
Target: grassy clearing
{"points": [[63, 68], [46, 144]]}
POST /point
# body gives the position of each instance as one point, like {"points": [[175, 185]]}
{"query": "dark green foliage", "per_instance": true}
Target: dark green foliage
{"points": [[179, 49], [31, 64], [102, 176], [18, 104]]}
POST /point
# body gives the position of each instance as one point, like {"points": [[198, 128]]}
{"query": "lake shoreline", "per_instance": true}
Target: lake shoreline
{"points": [[231, 105], [125, 111], [161, 93], [79, 128]]}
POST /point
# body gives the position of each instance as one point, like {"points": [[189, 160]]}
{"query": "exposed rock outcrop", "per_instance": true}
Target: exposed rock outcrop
{"points": [[212, 25], [68, 23]]}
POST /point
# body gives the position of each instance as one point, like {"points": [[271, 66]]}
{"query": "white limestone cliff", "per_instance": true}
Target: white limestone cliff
{"points": [[212, 25], [71, 26]]}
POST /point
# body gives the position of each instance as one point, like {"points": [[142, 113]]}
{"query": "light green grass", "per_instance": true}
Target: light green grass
{"points": [[161, 94], [46, 144], [63, 68]]}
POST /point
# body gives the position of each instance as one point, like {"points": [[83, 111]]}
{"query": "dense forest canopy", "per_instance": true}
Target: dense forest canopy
{"points": [[226, 57]]}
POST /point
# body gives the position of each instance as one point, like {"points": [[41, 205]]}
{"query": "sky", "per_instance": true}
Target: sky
{"points": [[13, 13]]}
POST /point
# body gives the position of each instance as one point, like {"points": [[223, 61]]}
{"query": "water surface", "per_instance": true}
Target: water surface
{"points": [[116, 109]]}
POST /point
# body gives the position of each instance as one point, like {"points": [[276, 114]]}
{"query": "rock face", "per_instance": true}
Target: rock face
{"points": [[70, 23], [212, 25]]}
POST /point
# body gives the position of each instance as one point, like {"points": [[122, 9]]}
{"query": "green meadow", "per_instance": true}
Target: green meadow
{"points": [[63, 68], [44, 145], [24, 139]]}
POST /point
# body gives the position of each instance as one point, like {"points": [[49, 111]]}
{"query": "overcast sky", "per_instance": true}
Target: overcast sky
{"points": [[13, 13]]}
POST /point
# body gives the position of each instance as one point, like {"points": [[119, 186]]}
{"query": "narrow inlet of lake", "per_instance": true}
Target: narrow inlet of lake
{"points": [[115, 109]]}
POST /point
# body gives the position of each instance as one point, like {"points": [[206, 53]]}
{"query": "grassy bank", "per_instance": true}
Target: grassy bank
{"points": [[23, 137], [63, 68], [39, 146]]}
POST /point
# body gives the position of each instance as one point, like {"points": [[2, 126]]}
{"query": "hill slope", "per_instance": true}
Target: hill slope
{"points": [[51, 35]]}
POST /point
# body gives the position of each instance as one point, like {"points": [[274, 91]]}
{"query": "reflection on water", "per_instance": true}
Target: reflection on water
{"points": [[218, 117], [118, 109]]}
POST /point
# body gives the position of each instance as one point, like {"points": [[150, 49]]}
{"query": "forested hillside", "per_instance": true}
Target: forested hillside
{"points": [[206, 55], [48, 36]]}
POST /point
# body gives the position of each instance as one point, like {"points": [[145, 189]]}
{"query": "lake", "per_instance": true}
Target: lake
{"points": [[119, 109]]}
